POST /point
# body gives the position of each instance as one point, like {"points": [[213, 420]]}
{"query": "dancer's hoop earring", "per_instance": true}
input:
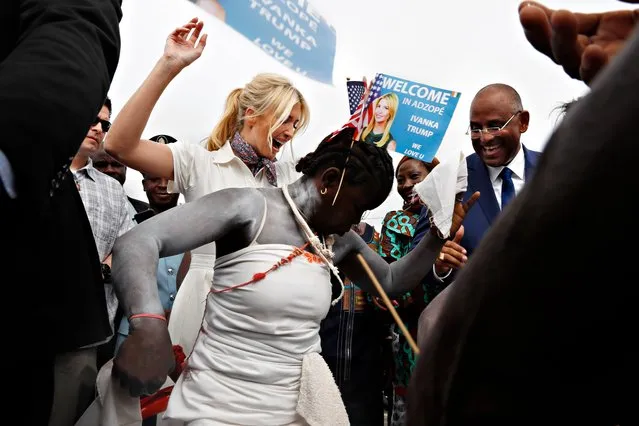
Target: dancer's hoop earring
{"points": [[324, 191]]}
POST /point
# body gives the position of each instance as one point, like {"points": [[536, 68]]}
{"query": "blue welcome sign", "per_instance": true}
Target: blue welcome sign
{"points": [[409, 117], [290, 31]]}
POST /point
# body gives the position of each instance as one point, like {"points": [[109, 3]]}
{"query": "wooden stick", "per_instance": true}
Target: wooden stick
{"points": [[388, 304]]}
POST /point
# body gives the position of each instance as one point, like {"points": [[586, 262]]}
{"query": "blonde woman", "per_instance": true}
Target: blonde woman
{"points": [[378, 130], [240, 152]]}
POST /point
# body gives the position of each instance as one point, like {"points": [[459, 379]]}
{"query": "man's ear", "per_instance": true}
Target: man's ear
{"points": [[524, 119]]}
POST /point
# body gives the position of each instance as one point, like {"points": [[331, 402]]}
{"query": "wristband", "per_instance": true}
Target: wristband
{"points": [[156, 316], [441, 279]]}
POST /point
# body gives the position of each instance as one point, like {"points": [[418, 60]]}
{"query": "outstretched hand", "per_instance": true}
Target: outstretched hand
{"points": [[460, 211], [145, 358], [452, 255], [185, 44], [582, 43]]}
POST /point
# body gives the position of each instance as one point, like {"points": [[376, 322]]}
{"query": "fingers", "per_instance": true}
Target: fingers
{"points": [[562, 36], [526, 4], [593, 60], [131, 384], [459, 235], [454, 249], [535, 19], [452, 255], [566, 48], [202, 42], [135, 386], [588, 23], [191, 31], [460, 211], [195, 34], [471, 201], [191, 24], [181, 32], [452, 258]]}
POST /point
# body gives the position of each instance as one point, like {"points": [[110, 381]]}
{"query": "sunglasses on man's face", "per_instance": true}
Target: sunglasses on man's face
{"points": [[106, 124]]}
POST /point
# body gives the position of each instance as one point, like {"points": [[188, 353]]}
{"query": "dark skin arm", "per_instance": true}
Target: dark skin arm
{"points": [[146, 357], [407, 272], [184, 268]]}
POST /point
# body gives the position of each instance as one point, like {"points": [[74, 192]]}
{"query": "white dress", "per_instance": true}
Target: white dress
{"points": [[246, 366], [198, 172]]}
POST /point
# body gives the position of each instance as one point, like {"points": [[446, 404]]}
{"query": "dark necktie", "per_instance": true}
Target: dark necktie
{"points": [[507, 187]]}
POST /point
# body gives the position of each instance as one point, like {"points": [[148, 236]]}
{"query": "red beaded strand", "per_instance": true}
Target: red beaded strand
{"points": [[261, 275]]}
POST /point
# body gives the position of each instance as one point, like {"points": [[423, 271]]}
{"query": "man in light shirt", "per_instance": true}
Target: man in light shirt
{"points": [[105, 203], [112, 167]]}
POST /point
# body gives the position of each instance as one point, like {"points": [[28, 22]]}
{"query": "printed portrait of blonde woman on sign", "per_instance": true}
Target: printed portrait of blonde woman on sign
{"points": [[378, 129]]}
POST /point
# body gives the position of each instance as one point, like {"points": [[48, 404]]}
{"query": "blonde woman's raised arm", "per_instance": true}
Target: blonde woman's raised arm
{"points": [[183, 46]]}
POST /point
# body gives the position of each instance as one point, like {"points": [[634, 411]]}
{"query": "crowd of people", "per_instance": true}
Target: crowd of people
{"points": [[257, 301]]}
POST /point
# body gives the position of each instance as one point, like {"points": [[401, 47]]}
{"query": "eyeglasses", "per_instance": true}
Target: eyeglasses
{"points": [[476, 133], [106, 124]]}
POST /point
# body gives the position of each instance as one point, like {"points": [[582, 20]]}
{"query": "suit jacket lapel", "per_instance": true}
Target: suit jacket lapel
{"points": [[530, 159], [481, 180]]}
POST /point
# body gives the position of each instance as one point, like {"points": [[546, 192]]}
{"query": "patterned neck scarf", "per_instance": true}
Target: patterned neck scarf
{"points": [[253, 161]]}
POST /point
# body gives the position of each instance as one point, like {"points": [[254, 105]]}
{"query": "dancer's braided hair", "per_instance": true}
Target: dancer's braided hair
{"points": [[365, 162]]}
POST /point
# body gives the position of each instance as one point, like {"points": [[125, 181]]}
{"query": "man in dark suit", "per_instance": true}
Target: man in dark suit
{"points": [[57, 60], [498, 169], [538, 327]]}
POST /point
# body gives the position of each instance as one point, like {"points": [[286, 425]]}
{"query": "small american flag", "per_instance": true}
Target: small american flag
{"points": [[363, 112], [374, 93], [356, 91], [355, 121]]}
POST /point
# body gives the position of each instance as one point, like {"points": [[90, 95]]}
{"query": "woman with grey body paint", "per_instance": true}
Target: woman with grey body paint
{"points": [[256, 354]]}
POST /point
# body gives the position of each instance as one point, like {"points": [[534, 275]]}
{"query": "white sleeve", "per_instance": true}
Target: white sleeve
{"points": [[183, 166]]}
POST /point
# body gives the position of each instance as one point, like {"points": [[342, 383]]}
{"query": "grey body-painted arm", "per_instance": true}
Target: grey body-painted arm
{"points": [[186, 227], [399, 276]]}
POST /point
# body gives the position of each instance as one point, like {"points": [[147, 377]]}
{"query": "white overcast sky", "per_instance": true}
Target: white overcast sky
{"points": [[458, 45]]}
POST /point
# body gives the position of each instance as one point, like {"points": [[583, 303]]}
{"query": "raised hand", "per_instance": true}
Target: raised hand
{"points": [[185, 44], [145, 358], [452, 256], [459, 214], [582, 43]]}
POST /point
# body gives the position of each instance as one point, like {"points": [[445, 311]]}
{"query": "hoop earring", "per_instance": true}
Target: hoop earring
{"points": [[324, 191]]}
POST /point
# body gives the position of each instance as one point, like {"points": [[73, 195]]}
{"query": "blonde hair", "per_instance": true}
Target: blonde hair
{"points": [[266, 93], [393, 104]]}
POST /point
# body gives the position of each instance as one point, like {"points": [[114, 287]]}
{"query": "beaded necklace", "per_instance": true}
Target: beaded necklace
{"points": [[323, 250]]}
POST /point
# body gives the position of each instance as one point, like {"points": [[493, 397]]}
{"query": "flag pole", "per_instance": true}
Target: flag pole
{"points": [[388, 304], [358, 131]]}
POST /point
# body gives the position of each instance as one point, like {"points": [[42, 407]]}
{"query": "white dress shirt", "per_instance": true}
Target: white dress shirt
{"points": [[517, 166]]}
